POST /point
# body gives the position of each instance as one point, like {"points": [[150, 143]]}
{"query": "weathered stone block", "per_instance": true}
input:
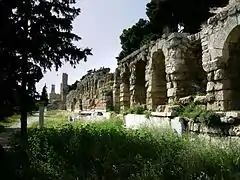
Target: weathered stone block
{"points": [[219, 74], [210, 76], [213, 65], [200, 99], [210, 86], [222, 85], [124, 98], [223, 95], [178, 76], [206, 57], [186, 100], [171, 92], [169, 85], [218, 106], [203, 107], [161, 108], [233, 114]]}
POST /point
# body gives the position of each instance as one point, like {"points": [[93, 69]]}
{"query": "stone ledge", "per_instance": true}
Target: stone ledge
{"points": [[234, 114], [164, 114]]}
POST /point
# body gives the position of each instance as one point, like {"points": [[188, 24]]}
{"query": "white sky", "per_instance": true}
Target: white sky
{"points": [[100, 24]]}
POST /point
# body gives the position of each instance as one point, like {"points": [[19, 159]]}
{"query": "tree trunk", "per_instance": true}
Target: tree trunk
{"points": [[23, 111], [24, 126], [24, 133]]}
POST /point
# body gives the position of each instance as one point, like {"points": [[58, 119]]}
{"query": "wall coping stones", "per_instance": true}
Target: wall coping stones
{"points": [[164, 114]]}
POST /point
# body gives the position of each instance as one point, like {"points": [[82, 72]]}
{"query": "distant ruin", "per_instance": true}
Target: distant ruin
{"points": [[58, 101]]}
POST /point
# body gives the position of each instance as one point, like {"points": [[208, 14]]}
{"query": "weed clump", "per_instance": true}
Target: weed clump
{"points": [[197, 114]]}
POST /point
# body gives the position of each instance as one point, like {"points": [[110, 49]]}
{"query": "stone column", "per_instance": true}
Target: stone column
{"points": [[116, 91], [133, 85], [234, 1], [176, 69], [124, 88], [64, 89]]}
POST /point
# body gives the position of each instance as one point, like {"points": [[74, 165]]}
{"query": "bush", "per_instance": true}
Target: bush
{"points": [[199, 115], [137, 109], [105, 150]]}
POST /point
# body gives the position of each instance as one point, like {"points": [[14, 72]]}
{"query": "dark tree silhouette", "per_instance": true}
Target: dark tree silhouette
{"points": [[40, 38]]}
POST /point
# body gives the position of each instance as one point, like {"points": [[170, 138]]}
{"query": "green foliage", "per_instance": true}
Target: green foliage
{"points": [[199, 115], [105, 150], [36, 36], [168, 13], [131, 38], [136, 109], [110, 109], [10, 120], [73, 86]]}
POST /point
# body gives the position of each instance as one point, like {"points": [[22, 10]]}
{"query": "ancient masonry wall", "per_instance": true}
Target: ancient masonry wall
{"points": [[180, 65], [94, 91]]}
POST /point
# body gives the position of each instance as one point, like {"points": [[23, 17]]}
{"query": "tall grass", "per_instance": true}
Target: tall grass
{"points": [[105, 150]]}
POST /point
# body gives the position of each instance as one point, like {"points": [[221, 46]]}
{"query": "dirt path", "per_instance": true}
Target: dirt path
{"points": [[5, 137]]}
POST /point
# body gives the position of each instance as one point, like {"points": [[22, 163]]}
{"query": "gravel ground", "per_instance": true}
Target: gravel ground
{"points": [[6, 136]]}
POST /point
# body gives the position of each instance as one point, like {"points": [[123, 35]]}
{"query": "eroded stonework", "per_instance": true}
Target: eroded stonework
{"points": [[94, 91], [181, 65]]}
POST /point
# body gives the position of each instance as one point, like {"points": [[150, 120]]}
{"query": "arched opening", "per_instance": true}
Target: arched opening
{"points": [[231, 55], [140, 88], [159, 82], [80, 105], [197, 77], [73, 104], [125, 88]]}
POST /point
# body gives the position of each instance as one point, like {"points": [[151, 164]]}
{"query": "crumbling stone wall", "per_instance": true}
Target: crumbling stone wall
{"points": [[94, 91], [220, 42], [161, 72], [180, 65]]}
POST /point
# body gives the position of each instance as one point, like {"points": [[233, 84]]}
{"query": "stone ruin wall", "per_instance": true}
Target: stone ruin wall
{"points": [[178, 65], [94, 91]]}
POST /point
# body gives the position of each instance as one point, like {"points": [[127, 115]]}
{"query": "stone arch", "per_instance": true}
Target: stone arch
{"points": [[219, 39], [231, 57], [158, 80], [140, 84]]}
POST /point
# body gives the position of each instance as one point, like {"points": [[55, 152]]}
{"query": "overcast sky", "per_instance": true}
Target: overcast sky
{"points": [[100, 24]]}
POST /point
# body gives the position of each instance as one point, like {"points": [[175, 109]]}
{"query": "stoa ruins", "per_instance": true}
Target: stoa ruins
{"points": [[179, 65]]}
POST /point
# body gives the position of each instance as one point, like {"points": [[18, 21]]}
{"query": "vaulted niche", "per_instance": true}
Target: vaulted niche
{"points": [[159, 89], [140, 94]]}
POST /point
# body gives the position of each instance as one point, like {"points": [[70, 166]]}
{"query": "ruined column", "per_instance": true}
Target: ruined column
{"points": [[53, 89], [116, 91], [133, 85], [176, 69], [64, 89], [124, 87]]}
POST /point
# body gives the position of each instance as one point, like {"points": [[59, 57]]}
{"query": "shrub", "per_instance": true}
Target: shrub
{"points": [[136, 109], [199, 115], [105, 150]]}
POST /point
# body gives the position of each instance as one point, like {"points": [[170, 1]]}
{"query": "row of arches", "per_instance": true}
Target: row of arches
{"points": [[196, 77]]}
